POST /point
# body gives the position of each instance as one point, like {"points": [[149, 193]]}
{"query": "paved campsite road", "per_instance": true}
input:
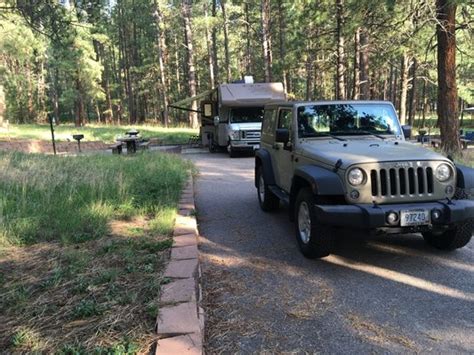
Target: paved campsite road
{"points": [[389, 295]]}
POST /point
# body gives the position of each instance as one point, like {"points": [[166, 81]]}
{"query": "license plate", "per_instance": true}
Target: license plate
{"points": [[256, 146], [414, 218]]}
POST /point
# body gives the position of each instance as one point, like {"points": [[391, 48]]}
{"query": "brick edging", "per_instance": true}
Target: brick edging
{"points": [[180, 322]]}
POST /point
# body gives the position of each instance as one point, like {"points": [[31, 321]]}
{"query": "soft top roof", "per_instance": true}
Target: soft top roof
{"points": [[259, 94]]}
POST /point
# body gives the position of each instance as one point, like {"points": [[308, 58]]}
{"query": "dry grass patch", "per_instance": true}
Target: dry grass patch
{"points": [[379, 334], [100, 295]]}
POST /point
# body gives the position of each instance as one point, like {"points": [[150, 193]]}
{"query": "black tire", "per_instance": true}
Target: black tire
{"points": [[212, 146], [455, 238], [232, 152], [267, 200], [318, 243]]}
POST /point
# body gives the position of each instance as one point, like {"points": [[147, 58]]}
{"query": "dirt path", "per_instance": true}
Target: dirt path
{"points": [[392, 295]]}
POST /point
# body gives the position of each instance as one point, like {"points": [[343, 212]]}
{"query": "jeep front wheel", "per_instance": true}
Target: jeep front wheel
{"points": [[314, 238], [266, 199], [451, 239]]}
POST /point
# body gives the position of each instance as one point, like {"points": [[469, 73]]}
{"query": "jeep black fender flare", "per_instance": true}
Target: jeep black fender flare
{"points": [[323, 182], [465, 180], [263, 159]]}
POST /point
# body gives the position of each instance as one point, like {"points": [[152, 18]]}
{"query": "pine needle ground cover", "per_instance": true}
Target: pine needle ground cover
{"points": [[83, 241], [102, 133]]}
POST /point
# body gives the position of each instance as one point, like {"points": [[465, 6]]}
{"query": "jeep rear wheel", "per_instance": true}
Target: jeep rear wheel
{"points": [[451, 239], [267, 200], [314, 238]]}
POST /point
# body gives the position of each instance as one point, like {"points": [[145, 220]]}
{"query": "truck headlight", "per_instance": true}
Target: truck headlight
{"points": [[443, 172], [355, 177], [235, 135]]}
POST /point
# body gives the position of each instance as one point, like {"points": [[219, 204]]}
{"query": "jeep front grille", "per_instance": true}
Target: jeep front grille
{"points": [[251, 135], [402, 181]]}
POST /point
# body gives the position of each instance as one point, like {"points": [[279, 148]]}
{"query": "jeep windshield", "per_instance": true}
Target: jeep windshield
{"points": [[246, 114], [347, 120]]}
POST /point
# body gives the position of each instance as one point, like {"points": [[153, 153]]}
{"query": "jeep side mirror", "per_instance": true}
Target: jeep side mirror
{"points": [[406, 131], [282, 135]]}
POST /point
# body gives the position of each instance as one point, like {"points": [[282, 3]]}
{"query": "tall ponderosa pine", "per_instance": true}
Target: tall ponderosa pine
{"points": [[447, 87]]}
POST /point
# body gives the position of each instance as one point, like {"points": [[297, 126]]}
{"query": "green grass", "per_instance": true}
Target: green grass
{"points": [[467, 158], [92, 132], [83, 242], [71, 199]]}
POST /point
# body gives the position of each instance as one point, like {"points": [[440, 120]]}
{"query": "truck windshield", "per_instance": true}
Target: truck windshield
{"points": [[246, 114], [347, 119]]}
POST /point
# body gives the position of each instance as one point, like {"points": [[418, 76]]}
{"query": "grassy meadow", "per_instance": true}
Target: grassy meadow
{"points": [[82, 244], [93, 132]]}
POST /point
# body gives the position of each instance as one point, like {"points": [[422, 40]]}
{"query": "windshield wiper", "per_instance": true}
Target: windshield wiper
{"points": [[374, 134], [322, 134]]}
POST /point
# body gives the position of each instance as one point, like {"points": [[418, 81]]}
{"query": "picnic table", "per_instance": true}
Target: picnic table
{"points": [[133, 141]]}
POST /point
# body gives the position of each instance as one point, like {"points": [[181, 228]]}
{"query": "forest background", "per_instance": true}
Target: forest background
{"points": [[125, 61]]}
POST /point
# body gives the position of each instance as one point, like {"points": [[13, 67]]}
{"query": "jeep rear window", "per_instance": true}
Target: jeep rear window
{"points": [[347, 119], [246, 114]]}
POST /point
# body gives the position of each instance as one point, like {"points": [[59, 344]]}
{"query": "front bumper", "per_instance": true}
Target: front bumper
{"points": [[244, 145], [374, 216]]}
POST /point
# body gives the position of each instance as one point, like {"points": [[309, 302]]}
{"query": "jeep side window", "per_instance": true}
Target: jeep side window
{"points": [[267, 124], [284, 119]]}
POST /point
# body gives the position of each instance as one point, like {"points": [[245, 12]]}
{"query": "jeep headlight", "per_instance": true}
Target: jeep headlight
{"points": [[355, 177], [443, 172], [235, 135]]}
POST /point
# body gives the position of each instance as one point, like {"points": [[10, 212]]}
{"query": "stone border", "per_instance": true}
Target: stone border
{"points": [[180, 322]]}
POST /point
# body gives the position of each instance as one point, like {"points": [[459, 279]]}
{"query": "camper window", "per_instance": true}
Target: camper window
{"points": [[246, 114]]}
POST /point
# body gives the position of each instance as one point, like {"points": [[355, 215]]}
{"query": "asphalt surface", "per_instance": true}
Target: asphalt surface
{"points": [[389, 295]]}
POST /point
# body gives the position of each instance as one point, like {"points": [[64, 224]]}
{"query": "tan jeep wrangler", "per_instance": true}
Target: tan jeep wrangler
{"points": [[346, 164]]}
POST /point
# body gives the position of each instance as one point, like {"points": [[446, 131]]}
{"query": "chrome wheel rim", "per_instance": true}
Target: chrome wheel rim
{"points": [[304, 222], [261, 188]]}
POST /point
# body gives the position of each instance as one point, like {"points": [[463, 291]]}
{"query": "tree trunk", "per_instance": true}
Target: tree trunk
{"points": [[412, 103], [248, 54], [340, 69], [282, 29], [226, 43], [161, 47], [390, 83], [405, 64], [214, 44], [425, 103], [210, 56], [309, 75], [356, 88], [79, 106], [56, 95], [447, 89], [266, 44], [186, 12], [364, 65]]}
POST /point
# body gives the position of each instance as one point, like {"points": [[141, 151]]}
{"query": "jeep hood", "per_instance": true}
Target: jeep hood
{"points": [[365, 151]]}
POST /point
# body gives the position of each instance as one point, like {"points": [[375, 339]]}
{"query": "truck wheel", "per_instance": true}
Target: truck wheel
{"points": [[314, 238], [231, 151], [451, 239], [212, 146], [267, 200]]}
